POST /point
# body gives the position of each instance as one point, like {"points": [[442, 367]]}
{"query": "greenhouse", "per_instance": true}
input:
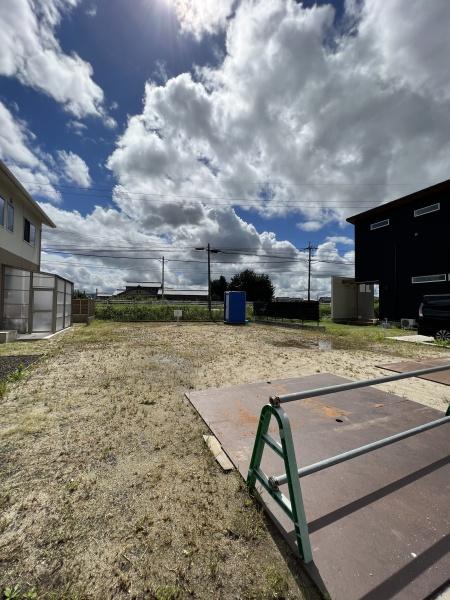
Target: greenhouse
{"points": [[35, 302]]}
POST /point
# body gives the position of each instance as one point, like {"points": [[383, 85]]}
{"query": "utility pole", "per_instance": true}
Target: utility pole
{"points": [[162, 279], [214, 251], [209, 277], [310, 248]]}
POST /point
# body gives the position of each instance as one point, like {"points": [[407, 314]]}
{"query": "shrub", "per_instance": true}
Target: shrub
{"points": [[154, 312], [158, 312]]}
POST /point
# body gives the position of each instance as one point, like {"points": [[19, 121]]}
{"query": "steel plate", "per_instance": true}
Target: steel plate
{"points": [[379, 523], [412, 365]]}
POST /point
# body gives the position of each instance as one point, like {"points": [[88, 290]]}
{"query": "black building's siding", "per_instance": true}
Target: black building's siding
{"points": [[408, 247]]}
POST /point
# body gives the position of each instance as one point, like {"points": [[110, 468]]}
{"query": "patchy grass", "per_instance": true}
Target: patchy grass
{"points": [[106, 487], [109, 489], [29, 423]]}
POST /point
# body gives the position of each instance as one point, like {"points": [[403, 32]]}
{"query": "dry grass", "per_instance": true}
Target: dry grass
{"points": [[107, 489]]}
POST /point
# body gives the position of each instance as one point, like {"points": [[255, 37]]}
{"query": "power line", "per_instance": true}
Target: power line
{"points": [[256, 182], [158, 258], [98, 193]]}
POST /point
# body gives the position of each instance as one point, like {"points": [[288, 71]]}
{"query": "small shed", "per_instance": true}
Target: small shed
{"points": [[352, 302]]}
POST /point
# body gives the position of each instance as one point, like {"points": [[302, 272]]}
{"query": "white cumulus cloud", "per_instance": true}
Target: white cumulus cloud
{"points": [[75, 169], [301, 119], [200, 17], [28, 164], [31, 52]]}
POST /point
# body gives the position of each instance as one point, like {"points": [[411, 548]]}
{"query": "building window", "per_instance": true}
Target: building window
{"points": [[365, 288], [2, 212], [10, 217], [429, 278], [379, 224], [427, 209], [29, 232]]}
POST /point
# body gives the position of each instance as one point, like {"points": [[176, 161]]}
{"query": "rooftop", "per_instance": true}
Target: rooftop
{"points": [[444, 186], [143, 284], [44, 217], [183, 292]]}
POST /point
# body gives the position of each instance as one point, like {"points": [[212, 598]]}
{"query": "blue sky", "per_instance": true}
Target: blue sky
{"points": [[173, 116]]}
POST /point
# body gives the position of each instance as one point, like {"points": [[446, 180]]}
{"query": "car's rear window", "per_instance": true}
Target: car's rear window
{"points": [[438, 301]]}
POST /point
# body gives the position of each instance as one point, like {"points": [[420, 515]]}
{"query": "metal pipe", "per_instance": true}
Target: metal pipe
{"points": [[342, 387], [275, 482], [279, 498], [276, 446]]}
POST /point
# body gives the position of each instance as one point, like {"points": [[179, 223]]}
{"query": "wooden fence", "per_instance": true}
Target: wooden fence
{"points": [[83, 310]]}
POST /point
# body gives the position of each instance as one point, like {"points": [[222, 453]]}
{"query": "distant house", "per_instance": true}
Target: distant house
{"points": [[30, 301], [325, 300], [140, 288], [403, 247], [184, 295]]}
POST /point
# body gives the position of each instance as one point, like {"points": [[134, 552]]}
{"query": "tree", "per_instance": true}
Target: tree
{"points": [[218, 288], [257, 286], [79, 294]]}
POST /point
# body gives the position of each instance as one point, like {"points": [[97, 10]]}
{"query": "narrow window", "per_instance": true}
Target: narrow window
{"points": [[32, 234], [427, 209], [429, 278], [2, 212], [29, 232], [379, 224], [10, 217]]}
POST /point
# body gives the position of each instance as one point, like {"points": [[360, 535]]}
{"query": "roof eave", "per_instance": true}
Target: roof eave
{"points": [[436, 188], [44, 217]]}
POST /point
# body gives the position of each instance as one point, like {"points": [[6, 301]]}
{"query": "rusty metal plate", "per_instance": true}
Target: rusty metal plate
{"points": [[379, 523], [412, 365]]}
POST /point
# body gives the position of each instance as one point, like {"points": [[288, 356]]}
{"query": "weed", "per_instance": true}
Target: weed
{"points": [[11, 593], [168, 592], [72, 486], [14, 593], [277, 586], [18, 374], [247, 525], [154, 312], [442, 343], [3, 388]]}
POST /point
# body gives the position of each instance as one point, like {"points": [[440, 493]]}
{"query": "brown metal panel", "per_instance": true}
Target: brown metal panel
{"points": [[412, 365], [379, 523]]}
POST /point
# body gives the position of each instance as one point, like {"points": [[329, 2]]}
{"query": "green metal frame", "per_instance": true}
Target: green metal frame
{"points": [[292, 506]]}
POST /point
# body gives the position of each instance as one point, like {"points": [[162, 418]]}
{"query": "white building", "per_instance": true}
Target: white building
{"points": [[30, 301]]}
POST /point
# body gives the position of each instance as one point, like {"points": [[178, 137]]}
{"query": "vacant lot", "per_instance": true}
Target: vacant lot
{"points": [[106, 487]]}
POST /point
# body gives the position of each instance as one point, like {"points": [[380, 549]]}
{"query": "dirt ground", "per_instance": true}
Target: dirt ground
{"points": [[106, 487]]}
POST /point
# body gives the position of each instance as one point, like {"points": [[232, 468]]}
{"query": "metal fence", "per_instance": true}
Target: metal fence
{"points": [[305, 310], [158, 302]]}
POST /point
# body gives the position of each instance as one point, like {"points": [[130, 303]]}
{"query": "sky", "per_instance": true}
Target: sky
{"points": [[149, 128]]}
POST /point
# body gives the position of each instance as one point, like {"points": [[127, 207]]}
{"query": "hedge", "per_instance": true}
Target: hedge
{"points": [[158, 312]]}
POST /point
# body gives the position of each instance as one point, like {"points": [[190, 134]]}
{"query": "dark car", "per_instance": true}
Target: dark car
{"points": [[434, 316]]}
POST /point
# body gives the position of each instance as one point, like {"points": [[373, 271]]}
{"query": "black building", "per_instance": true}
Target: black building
{"points": [[404, 246]]}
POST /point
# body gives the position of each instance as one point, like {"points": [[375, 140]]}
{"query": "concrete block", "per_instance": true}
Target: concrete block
{"points": [[8, 335]]}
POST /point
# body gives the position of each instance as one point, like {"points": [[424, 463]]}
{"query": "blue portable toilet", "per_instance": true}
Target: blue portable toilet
{"points": [[234, 308]]}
